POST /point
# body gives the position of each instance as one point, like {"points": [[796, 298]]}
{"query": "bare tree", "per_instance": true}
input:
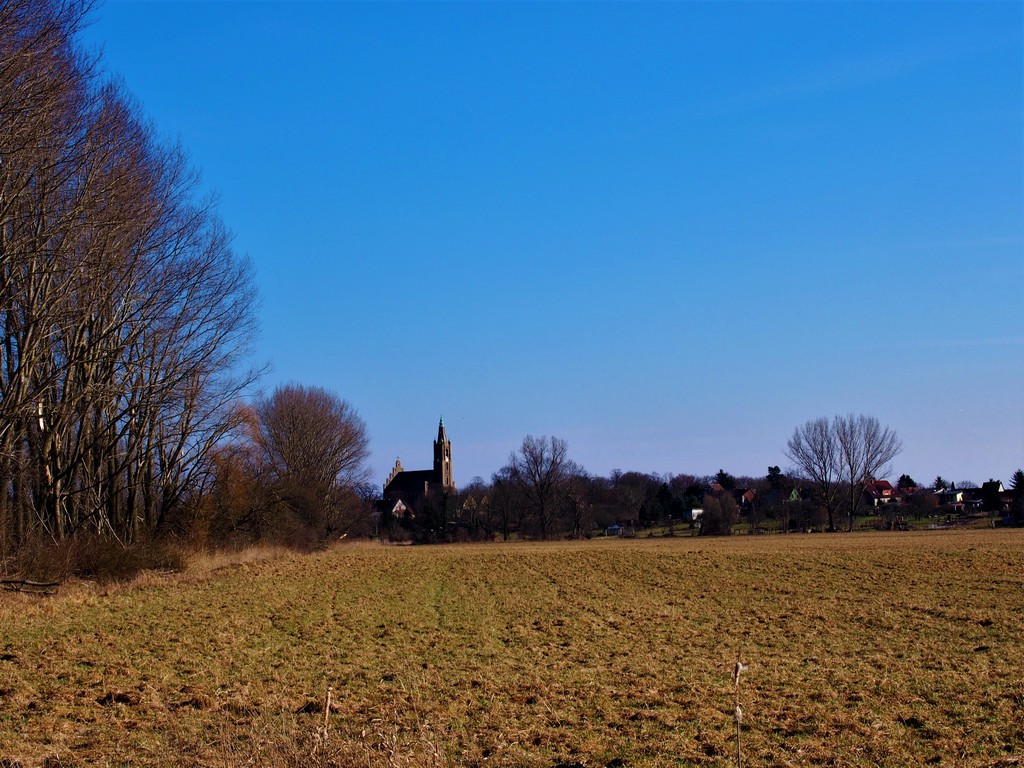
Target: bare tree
{"points": [[503, 501], [815, 456], [580, 510], [866, 450], [314, 447], [839, 456], [474, 509], [541, 470], [43, 92]]}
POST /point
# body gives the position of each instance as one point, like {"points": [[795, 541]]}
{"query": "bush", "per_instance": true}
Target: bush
{"points": [[98, 558], [720, 515]]}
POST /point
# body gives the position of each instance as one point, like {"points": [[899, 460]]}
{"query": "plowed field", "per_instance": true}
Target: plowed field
{"points": [[896, 649]]}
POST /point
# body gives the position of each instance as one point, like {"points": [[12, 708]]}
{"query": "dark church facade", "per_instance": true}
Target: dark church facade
{"points": [[405, 490]]}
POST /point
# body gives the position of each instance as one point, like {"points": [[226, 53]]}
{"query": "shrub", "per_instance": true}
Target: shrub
{"points": [[98, 558], [720, 515]]}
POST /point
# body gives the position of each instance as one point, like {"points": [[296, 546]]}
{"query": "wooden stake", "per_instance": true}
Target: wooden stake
{"points": [[327, 709]]}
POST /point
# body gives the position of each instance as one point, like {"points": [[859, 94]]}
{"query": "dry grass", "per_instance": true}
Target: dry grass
{"points": [[864, 649]]}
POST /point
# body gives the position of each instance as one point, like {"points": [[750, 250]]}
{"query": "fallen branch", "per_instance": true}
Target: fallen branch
{"points": [[36, 587]]}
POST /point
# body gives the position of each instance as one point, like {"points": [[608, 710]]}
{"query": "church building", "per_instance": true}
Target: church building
{"points": [[404, 489]]}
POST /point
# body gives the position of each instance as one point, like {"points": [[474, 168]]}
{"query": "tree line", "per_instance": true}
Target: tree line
{"points": [[126, 315], [542, 493]]}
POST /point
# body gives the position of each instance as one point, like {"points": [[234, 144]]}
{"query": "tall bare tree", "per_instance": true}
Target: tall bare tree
{"points": [[866, 450], [815, 456]]}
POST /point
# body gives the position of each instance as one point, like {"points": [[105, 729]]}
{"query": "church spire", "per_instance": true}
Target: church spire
{"points": [[443, 458]]}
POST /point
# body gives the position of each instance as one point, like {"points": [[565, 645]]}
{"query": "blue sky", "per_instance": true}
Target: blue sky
{"points": [[667, 233]]}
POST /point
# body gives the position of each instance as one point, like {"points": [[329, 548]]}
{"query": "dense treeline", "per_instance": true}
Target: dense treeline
{"points": [[541, 494], [124, 311], [580, 505]]}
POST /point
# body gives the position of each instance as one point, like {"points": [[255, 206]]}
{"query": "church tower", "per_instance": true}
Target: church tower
{"points": [[443, 459]]}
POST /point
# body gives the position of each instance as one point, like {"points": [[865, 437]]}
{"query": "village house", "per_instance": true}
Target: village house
{"points": [[879, 492]]}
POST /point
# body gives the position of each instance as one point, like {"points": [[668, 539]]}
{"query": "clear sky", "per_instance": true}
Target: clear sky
{"points": [[667, 233]]}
